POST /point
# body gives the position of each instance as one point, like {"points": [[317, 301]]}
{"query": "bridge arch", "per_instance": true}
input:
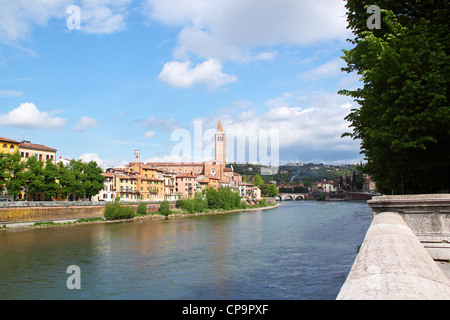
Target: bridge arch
{"points": [[290, 196]]}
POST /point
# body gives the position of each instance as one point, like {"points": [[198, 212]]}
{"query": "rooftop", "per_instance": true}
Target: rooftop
{"points": [[8, 140], [28, 145]]}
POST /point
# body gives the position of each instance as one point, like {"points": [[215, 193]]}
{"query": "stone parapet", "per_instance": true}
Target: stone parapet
{"points": [[428, 216], [392, 264]]}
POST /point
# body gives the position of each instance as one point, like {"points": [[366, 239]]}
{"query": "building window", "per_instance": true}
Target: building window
{"points": [[11, 148]]}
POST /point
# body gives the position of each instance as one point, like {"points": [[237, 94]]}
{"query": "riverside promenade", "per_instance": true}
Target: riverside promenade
{"points": [[406, 252]]}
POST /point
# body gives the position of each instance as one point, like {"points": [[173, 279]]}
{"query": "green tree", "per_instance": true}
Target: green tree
{"points": [[80, 180], [5, 168], [403, 119], [12, 176], [91, 179], [50, 175], [212, 198], [257, 180], [68, 179], [164, 208], [273, 190], [17, 181], [34, 176], [142, 208]]}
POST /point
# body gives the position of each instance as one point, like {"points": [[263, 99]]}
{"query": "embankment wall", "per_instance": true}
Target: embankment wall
{"points": [[51, 211]]}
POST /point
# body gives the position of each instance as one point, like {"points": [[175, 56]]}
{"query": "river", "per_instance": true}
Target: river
{"points": [[302, 250]]}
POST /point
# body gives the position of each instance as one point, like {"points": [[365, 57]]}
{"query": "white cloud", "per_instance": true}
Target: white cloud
{"points": [[19, 17], [309, 128], [328, 70], [88, 157], [149, 134], [10, 93], [103, 16], [85, 123], [27, 115], [171, 158], [236, 29], [182, 75]]}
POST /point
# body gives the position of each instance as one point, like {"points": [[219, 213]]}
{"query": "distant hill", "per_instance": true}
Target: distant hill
{"points": [[296, 173]]}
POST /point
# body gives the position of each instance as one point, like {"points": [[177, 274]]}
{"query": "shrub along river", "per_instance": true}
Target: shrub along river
{"points": [[302, 250]]}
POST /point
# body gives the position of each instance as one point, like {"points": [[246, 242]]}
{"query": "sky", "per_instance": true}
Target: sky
{"points": [[97, 80]]}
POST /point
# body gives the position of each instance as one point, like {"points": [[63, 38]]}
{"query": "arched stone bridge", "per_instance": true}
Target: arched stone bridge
{"points": [[291, 196]]}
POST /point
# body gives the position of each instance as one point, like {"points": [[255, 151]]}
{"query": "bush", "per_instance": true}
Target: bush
{"points": [[188, 205], [179, 203], [142, 208], [164, 208], [116, 211], [200, 204], [263, 202]]}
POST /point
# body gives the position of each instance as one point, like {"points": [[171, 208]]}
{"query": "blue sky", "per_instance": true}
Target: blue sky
{"points": [[135, 72]]}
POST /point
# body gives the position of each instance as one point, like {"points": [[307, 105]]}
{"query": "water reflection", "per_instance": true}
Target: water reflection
{"points": [[298, 251]]}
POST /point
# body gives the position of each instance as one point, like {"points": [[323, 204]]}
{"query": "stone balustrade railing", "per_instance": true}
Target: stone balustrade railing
{"points": [[393, 264]]}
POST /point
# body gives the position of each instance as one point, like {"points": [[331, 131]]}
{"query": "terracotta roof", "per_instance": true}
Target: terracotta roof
{"points": [[185, 176], [149, 179], [8, 140], [28, 145], [173, 164], [219, 126], [108, 174]]}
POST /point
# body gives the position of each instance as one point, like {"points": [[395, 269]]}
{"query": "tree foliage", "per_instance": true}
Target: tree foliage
{"points": [[76, 180], [403, 119], [164, 208], [80, 180]]}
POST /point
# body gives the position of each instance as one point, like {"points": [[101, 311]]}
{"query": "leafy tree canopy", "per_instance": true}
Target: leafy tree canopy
{"points": [[403, 119]]}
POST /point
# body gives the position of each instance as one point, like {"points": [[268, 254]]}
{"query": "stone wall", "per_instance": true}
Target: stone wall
{"points": [[43, 211]]}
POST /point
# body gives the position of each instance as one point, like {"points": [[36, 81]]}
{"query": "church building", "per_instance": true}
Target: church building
{"points": [[214, 168]]}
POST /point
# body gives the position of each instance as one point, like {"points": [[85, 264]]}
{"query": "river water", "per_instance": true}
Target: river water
{"points": [[302, 250]]}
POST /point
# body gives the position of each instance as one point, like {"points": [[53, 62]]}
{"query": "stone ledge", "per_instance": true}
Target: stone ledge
{"points": [[428, 216], [393, 265]]}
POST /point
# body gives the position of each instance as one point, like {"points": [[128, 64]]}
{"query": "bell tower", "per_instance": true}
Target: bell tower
{"points": [[137, 155], [220, 144]]}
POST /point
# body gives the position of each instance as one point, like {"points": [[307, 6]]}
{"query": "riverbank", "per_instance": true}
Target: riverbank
{"points": [[150, 216]]}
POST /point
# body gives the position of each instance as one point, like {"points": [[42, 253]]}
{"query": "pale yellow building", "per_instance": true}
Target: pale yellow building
{"points": [[41, 152], [126, 187], [150, 183]]}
